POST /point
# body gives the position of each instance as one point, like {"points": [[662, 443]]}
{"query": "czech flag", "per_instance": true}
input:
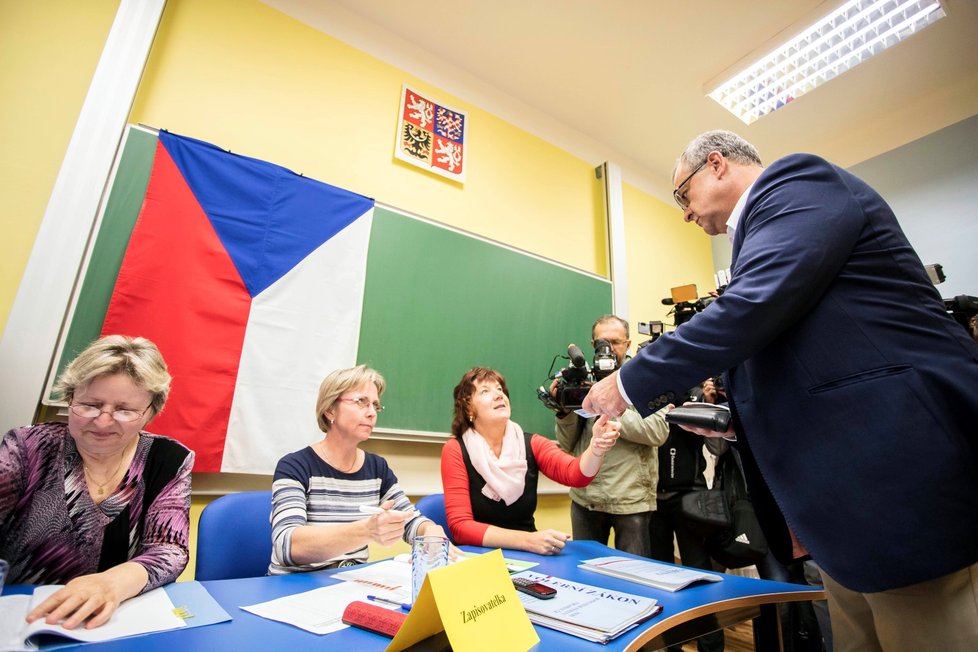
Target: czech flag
{"points": [[250, 279]]}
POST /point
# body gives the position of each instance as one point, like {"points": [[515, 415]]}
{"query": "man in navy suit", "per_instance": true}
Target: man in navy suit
{"points": [[854, 394]]}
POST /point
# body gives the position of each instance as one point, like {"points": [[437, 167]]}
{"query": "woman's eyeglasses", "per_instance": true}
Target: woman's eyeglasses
{"points": [[363, 403], [91, 412]]}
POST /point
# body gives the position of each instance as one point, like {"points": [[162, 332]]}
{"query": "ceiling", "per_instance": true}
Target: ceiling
{"points": [[623, 80]]}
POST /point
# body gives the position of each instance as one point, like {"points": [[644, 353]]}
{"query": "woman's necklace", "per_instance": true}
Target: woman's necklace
{"points": [[100, 487], [356, 458]]}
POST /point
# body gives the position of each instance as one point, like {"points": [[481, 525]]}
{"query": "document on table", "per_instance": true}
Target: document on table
{"points": [[149, 612], [650, 573], [387, 575], [589, 612], [320, 611]]}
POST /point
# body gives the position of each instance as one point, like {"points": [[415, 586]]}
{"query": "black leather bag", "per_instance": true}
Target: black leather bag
{"points": [[742, 543]]}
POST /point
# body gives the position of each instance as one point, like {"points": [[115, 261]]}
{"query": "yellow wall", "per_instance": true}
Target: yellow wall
{"points": [[48, 53], [250, 79], [662, 252]]}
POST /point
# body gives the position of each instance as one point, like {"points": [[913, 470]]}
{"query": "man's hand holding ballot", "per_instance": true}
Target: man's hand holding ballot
{"points": [[605, 398]]}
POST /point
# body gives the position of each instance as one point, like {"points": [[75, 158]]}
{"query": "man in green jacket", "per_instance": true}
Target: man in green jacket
{"points": [[622, 495]]}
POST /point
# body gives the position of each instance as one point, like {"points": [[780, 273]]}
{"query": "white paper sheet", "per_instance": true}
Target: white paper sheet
{"points": [[320, 611]]}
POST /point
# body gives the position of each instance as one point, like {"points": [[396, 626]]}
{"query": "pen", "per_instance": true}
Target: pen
{"points": [[395, 603], [371, 509]]}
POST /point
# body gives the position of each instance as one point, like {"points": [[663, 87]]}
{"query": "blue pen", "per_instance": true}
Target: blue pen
{"points": [[394, 603]]}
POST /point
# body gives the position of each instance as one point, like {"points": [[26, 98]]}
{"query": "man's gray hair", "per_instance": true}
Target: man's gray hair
{"points": [[728, 143]]}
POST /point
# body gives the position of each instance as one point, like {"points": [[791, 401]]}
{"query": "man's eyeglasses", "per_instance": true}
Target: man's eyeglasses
{"points": [[91, 412], [679, 194], [616, 342], [363, 403]]}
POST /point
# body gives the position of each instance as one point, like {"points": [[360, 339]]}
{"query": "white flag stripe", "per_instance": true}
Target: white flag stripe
{"points": [[300, 328]]}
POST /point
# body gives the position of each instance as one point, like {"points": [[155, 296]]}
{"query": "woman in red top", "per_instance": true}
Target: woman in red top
{"points": [[489, 469]]}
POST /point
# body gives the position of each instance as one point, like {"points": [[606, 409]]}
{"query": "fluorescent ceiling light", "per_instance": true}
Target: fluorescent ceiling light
{"points": [[853, 33]]}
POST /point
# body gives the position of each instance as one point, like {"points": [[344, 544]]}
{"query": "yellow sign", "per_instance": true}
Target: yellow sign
{"points": [[475, 603]]}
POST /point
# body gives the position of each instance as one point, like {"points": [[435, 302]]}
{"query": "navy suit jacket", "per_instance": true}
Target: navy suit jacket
{"points": [[855, 392]]}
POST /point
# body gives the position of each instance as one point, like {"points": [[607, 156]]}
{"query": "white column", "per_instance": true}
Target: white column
{"points": [[610, 174], [36, 318]]}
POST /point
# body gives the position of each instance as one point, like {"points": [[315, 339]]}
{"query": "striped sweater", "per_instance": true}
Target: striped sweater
{"points": [[308, 491]]}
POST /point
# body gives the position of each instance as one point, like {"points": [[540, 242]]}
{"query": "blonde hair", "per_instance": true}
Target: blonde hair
{"points": [[341, 381], [136, 357]]}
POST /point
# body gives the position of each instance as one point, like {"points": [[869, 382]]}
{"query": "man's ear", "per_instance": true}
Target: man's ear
{"points": [[717, 163]]}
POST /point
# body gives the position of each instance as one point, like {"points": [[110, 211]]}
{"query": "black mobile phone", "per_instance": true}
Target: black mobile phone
{"points": [[536, 589]]}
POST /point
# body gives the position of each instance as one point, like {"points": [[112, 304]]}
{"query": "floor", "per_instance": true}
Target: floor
{"points": [[736, 639]]}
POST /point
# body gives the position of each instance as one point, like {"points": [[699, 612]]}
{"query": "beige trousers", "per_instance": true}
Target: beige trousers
{"points": [[939, 614]]}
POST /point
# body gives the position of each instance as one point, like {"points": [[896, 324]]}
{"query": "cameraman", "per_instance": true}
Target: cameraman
{"points": [[622, 494]]}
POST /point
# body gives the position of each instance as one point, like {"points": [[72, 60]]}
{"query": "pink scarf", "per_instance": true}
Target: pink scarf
{"points": [[504, 475]]}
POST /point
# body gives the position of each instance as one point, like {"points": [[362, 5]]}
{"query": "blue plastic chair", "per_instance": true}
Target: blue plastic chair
{"points": [[234, 537], [433, 507]]}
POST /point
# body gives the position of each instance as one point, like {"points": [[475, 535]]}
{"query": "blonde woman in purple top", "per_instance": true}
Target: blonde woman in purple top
{"points": [[97, 503]]}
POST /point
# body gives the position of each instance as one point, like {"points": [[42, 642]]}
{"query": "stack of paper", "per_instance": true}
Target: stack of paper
{"points": [[589, 612], [650, 573]]}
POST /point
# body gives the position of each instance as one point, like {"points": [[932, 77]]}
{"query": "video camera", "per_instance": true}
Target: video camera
{"points": [[685, 303], [574, 380], [962, 307]]}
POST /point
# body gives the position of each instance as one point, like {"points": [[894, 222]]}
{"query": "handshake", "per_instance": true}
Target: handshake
{"points": [[604, 434]]}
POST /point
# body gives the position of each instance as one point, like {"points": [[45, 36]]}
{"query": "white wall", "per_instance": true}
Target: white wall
{"points": [[932, 186]]}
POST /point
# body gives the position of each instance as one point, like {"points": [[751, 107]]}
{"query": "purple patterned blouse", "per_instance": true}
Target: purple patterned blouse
{"points": [[50, 529]]}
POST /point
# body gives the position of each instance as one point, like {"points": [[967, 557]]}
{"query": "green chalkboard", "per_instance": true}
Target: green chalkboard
{"points": [[438, 302]]}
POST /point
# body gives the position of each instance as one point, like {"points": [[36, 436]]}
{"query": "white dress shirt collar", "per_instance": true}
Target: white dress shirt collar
{"points": [[738, 211]]}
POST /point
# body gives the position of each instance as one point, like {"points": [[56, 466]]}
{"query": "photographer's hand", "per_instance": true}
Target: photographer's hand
{"points": [[709, 391], [604, 398]]}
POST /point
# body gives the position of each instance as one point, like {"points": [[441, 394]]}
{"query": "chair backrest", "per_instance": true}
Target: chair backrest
{"points": [[433, 507], [234, 537]]}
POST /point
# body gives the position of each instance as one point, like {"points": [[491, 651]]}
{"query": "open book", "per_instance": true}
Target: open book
{"points": [[153, 611], [589, 612], [650, 573]]}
